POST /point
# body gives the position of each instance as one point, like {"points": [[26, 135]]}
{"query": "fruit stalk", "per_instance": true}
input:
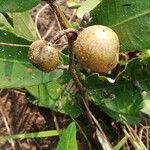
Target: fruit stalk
{"points": [[62, 33], [71, 67]]}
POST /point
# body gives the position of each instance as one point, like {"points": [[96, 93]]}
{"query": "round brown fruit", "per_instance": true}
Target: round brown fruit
{"points": [[97, 49], [43, 56]]}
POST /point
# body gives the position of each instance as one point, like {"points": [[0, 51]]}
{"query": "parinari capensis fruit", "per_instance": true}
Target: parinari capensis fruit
{"points": [[43, 56], [97, 48]]}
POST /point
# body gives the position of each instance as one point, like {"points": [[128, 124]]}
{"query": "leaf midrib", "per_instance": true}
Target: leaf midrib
{"points": [[14, 61], [132, 18], [69, 138]]}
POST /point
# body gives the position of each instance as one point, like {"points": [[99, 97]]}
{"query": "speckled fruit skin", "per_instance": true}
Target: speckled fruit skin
{"points": [[97, 49], [42, 56]]}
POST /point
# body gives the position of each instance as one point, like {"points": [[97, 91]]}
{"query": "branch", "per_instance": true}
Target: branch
{"points": [[99, 131]]}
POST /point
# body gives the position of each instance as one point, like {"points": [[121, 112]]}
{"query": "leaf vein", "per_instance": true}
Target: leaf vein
{"points": [[132, 18]]}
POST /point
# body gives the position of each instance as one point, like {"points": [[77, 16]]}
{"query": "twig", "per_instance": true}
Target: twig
{"points": [[7, 128], [36, 20], [99, 131], [133, 137], [59, 26], [84, 135], [55, 121], [104, 143], [141, 131], [49, 30], [72, 16]]}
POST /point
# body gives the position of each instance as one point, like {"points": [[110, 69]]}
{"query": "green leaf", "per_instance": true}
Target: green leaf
{"points": [[129, 19], [57, 95], [123, 99], [15, 68], [24, 25], [87, 6], [120, 143], [17, 5], [73, 5], [31, 135], [68, 139], [4, 24], [146, 107]]}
